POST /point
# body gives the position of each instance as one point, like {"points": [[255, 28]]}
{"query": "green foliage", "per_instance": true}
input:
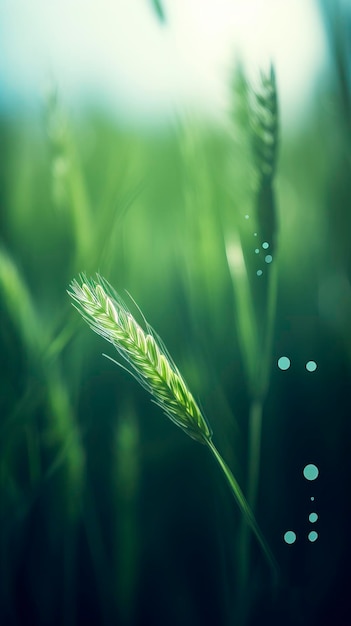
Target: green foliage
{"points": [[98, 498]]}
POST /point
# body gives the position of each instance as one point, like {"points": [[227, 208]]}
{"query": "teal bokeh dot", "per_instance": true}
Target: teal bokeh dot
{"points": [[283, 363], [259, 272], [311, 366], [290, 537], [313, 517], [312, 536], [310, 471], [265, 245], [268, 258]]}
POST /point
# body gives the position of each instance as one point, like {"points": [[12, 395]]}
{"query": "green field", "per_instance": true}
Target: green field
{"points": [[109, 514]]}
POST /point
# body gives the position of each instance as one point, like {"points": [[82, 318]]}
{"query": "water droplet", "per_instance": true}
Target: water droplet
{"points": [[311, 366], [284, 363], [259, 272], [247, 217], [265, 245], [255, 234], [313, 517], [268, 258], [310, 471], [257, 251], [313, 536], [290, 537], [312, 498]]}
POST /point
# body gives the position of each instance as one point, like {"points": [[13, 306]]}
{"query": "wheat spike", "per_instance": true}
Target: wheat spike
{"points": [[151, 365], [265, 136]]}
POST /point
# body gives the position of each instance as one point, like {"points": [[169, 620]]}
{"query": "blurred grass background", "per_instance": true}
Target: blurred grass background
{"points": [[109, 514]]}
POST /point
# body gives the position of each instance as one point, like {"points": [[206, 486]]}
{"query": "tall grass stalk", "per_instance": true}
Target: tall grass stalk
{"points": [[155, 370], [260, 391], [265, 142], [68, 184], [259, 111], [126, 482], [62, 430]]}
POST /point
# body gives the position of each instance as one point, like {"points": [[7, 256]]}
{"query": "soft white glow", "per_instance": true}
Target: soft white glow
{"points": [[235, 257], [116, 51]]}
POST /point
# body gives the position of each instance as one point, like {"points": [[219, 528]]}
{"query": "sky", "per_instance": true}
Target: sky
{"points": [[117, 53]]}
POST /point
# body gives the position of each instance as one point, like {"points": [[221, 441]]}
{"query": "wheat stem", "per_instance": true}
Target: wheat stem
{"points": [[243, 506]]}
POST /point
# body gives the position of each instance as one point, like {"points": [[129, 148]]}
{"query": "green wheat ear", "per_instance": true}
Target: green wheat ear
{"points": [[150, 363], [153, 367]]}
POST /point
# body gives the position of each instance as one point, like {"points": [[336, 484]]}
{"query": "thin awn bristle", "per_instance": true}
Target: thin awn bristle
{"points": [[152, 366]]}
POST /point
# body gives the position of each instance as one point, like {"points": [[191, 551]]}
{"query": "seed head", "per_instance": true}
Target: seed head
{"points": [[148, 358]]}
